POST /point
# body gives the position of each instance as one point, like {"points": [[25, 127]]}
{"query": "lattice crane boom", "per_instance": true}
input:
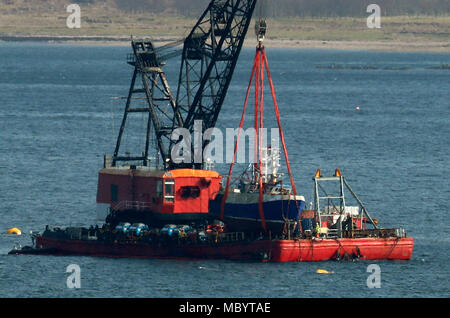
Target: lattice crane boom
{"points": [[208, 59]]}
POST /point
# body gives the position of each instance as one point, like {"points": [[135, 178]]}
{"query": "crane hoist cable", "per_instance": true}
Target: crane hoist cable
{"points": [[261, 15]]}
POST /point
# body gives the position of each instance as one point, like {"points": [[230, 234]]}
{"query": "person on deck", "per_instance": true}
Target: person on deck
{"points": [[317, 229]]}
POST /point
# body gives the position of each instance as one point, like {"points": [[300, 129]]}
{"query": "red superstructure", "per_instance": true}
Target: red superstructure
{"points": [[157, 194]]}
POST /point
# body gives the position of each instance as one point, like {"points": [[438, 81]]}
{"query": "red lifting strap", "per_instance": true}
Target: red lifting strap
{"points": [[258, 71], [261, 87], [279, 125]]}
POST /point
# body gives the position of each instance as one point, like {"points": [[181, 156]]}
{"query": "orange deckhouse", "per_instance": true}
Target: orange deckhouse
{"points": [[137, 193]]}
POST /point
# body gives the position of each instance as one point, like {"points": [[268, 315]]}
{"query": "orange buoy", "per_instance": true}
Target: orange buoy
{"points": [[15, 231], [323, 271]]}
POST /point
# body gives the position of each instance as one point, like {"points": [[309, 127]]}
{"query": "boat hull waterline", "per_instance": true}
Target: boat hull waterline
{"points": [[260, 250]]}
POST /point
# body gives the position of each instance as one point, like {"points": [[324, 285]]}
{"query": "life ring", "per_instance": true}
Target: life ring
{"points": [[15, 231]]}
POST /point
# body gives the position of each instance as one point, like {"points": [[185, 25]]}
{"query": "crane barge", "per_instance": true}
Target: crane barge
{"points": [[170, 204]]}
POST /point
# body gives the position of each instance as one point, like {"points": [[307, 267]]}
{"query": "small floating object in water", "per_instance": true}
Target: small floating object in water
{"points": [[357, 108], [14, 230], [323, 271]]}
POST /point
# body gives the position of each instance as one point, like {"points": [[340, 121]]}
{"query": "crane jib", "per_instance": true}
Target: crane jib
{"points": [[209, 56]]}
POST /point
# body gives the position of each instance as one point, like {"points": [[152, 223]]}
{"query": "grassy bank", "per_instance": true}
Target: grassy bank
{"points": [[401, 28], [97, 21]]}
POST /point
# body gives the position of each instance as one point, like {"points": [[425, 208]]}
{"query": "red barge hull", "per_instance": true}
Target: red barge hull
{"points": [[262, 250]]}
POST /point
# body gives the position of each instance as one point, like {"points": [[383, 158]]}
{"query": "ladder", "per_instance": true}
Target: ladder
{"points": [[320, 194]]}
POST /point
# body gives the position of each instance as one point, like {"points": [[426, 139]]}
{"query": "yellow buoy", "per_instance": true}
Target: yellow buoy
{"points": [[14, 230], [323, 271]]}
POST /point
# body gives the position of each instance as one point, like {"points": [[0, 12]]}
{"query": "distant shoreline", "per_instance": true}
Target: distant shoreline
{"points": [[387, 46]]}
